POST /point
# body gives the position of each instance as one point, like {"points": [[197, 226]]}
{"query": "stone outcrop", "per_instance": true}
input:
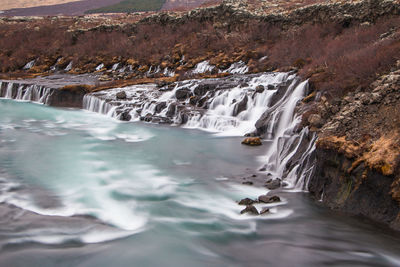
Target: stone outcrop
{"points": [[70, 96], [358, 152]]}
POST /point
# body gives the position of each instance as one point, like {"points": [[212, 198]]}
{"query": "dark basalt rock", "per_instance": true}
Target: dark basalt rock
{"points": [[247, 201], [267, 199], [161, 106], [121, 95], [260, 89], [183, 94], [362, 192], [69, 98], [251, 210], [248, 183], [201, 103], [270, 87], [264, 210], [193, 100], [204, 87], [147, 118], [125, 116], [273, 184], [241, 106], [171, 110]]}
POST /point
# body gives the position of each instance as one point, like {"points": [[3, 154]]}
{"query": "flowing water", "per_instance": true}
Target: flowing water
{"points": [[81, 189]]}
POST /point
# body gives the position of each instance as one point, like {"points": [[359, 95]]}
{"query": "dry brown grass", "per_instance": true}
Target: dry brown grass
{"points": [[381, 155]]}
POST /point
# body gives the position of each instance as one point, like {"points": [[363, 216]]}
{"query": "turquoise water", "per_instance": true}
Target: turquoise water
{"points": [[81, 189]]}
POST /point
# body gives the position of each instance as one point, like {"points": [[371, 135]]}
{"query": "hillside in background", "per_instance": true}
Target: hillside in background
{"points": [[80, 7], [10, 4], [130, 6]]}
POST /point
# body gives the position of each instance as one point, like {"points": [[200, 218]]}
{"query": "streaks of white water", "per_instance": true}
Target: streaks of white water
{"points": [[203, 67], [99, 67], [69, 67], [29, 65], [26, 92]]}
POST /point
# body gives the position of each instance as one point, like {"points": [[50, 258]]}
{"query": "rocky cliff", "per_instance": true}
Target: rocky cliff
{"points": [[358, 152]]}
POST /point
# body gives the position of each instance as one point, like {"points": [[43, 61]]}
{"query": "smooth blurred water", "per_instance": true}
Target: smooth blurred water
{"points": [[82, 189]]}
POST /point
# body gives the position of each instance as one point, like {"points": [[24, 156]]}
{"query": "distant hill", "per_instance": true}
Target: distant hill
{"points": [[80, 7], [130, 6], [11, 4], [64, 7], [185, 4]]}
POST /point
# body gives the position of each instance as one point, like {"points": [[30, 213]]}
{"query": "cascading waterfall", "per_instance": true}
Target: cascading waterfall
{"points": [[25, 92], [261, 104], [95, 104]]}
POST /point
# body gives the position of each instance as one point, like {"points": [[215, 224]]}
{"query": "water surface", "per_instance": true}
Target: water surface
{"points": [[81, 189]]}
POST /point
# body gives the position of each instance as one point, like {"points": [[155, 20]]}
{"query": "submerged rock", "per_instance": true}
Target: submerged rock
{"points": [[264, 210], [272, 184], [250, 209], [252, 141], [267, 199]]}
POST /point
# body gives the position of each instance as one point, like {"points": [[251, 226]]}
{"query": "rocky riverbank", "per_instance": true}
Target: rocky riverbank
{"points": [[358, 152]]}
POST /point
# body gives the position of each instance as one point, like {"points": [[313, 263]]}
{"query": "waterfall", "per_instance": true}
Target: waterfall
{"points": [[26, 92], [98, 105], [256, 104]]}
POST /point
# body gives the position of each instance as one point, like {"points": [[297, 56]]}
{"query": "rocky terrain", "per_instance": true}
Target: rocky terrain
{"points": [[358, 151]]}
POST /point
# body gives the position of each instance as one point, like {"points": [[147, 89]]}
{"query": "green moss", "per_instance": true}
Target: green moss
{"points": [[345, 191], [130, 6]]}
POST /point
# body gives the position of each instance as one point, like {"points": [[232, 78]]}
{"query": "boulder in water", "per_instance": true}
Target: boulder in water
{"points": [[160, 106], [267, 199], [121, 95], [247, 201], [250, 209], [272, 184], [264, 210], [252, 141], [171, 110], [125, 116], [241, 106], [260, 88]]}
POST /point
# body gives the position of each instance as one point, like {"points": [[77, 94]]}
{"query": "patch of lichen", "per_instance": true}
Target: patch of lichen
{"points": [[380, 155], [349, 148]]}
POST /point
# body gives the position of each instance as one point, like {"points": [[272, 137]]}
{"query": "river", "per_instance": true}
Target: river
{"points": [[82, 189]]}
